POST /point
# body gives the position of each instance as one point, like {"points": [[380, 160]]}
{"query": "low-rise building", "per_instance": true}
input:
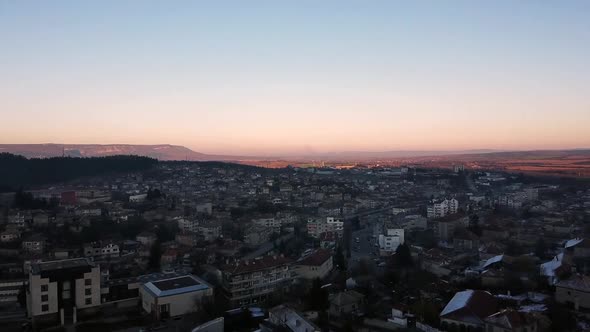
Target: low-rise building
{"points": [[175, 296], [316, 265]]}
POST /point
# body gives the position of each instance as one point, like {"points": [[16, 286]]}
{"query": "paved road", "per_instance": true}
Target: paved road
{"points": [[365, 248]]}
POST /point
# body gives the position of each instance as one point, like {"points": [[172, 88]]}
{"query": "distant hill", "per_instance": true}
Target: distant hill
{"points": [[161, 151]]}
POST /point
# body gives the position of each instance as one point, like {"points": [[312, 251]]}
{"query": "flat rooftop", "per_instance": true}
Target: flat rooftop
{"points": [[63, 264], [175, 286]]}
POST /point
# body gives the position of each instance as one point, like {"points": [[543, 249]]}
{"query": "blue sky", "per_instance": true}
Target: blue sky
{"points": [[283, 77]]}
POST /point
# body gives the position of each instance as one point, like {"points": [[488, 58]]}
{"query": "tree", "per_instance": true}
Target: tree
{"points": [[403, 256], [474, 225], [339, 259], [541, 248], [155, 256], [317, 297]]}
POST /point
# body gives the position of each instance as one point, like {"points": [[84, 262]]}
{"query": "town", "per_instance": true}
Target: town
{"points": [[212, 246]]}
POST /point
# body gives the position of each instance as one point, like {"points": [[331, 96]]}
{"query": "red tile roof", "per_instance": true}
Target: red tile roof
{"points": [[317, 258]]}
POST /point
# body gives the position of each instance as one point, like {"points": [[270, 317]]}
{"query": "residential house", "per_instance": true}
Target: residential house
{"points": [[347, 303], [468, 309]]}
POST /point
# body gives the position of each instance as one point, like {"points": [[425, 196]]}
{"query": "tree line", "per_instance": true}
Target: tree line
{"points": [[17, 171]]}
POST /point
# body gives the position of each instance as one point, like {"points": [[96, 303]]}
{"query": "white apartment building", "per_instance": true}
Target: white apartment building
{"points": [[392, 238], [60, 290], [442, 208], [187, 225]]}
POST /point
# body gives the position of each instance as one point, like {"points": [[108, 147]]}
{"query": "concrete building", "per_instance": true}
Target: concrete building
{"points": [[389, 241], [175, 296], [284, 318], [442, 208], [254, 281], [316, 265], [60, 291]]}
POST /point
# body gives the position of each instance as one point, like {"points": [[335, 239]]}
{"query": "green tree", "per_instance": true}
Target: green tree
{"points": [[403, 256], [339, 259], [155, 256], [541, 248], [317, 297]]}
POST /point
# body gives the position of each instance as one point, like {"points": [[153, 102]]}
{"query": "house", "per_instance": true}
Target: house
{"points": [[468, 309], [347, 303], [556, 268], [510, 320], [174, 296], [574, 292], [317, 265]]}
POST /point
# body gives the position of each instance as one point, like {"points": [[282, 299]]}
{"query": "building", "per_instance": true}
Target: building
{"points": [[316, 265], [510, 320], [442, 208], [254, 281], [187, 225], [209, 230], [347, 303], [270, 222], [175, 296], [468, 310], [389, 241], [574, 292], [34, 244], [63, 290], [317, 226], [284, 318]]}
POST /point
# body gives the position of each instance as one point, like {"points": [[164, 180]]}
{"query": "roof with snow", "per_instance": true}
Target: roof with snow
{"points": [[493, 260], [573, 242], [470, 306]]}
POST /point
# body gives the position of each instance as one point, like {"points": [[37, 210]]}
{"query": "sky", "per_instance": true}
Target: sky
{"points": [[291, 77]]}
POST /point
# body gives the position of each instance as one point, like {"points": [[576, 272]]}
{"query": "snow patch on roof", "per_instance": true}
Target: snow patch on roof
{"points": [[493, 260], [458, 301], [573, 242]]}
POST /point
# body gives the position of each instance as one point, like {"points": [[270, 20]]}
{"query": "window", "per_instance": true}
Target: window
{"points": [[88, 291], [88, 301], [45, 307], [44, 298], [44, 288], [87, 282]]}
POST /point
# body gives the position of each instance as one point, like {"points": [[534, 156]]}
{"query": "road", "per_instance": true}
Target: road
{"points": [[365, 248]]}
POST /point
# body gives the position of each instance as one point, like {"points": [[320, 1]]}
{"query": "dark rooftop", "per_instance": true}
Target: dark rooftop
{"points": [[176, 283], [60, 265]]}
